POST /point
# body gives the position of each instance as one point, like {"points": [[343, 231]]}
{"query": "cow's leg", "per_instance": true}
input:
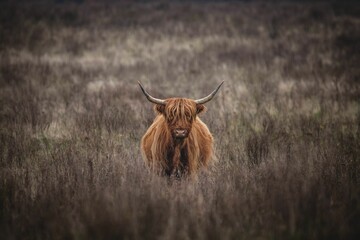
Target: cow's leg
{"points": [[176, 160]]}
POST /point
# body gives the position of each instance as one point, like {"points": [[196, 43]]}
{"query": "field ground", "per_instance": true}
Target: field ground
{"points": [[286, 121]]}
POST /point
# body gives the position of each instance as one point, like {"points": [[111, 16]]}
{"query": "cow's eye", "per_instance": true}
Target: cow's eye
{"points": [[188, 116], [170, 118]]}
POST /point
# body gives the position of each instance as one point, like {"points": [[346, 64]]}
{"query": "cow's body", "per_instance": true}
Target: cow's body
{"points": [[177, 143], [169, 156]]}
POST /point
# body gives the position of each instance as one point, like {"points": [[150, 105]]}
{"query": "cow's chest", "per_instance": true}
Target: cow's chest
{"points": [[177, 161]]}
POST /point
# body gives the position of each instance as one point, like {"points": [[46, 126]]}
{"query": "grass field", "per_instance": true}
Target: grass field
{"points": [[286, 122]]}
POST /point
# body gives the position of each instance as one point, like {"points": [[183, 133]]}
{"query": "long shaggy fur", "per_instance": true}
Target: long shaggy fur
{"points": [[170, 156]]}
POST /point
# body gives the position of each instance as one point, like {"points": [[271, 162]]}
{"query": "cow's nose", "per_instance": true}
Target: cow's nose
{"points": [[181, 132]]}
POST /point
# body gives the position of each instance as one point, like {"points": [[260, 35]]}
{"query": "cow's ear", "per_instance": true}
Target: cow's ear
{"points": [[200, 108], [159, 108]]}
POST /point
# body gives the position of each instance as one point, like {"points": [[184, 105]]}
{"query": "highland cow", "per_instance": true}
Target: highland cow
{"points": [[177, 143]]}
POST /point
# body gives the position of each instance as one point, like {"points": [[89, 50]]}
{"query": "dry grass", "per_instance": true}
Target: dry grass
{"points": [[286, 122]]}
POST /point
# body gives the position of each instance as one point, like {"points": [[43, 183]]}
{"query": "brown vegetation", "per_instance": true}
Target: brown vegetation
{"points": [[286, 124]]}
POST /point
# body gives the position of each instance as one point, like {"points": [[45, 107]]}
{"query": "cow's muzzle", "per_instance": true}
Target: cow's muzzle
{"points": [[180, 133]]}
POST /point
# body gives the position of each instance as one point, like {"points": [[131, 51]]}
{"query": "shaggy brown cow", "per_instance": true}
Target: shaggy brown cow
{"points": [[178, 143]]}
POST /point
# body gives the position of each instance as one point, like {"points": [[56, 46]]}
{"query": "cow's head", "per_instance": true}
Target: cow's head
{"points": [[179, 112]]}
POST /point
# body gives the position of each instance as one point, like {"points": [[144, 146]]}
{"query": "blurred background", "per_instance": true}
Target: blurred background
{"points": [[286, 121]]}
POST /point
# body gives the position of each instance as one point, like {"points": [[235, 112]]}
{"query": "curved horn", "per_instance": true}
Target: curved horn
{"points": [[209, 97], [150, 98]]}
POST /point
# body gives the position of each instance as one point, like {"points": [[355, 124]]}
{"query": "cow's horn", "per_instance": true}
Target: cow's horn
{"points": [[150, 98], [209, 97]]}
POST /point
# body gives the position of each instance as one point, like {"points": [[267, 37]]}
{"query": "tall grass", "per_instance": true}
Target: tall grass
{"points": [[286, 122]]}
